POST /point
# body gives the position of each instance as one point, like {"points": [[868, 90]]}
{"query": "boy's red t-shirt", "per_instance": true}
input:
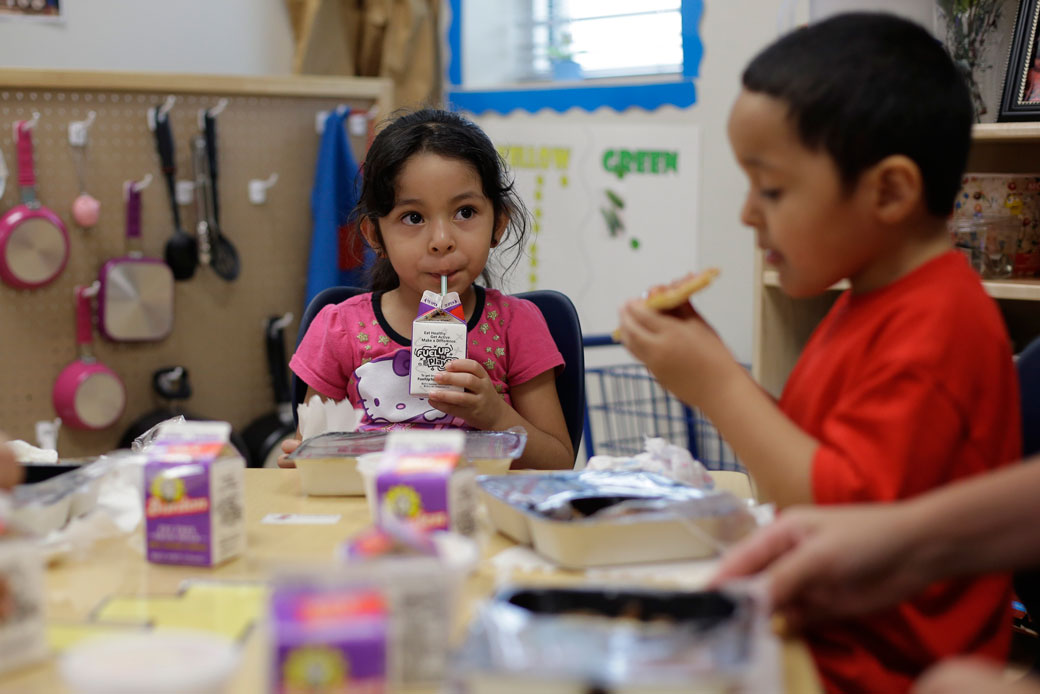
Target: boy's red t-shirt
{"points": [[907, 388]]}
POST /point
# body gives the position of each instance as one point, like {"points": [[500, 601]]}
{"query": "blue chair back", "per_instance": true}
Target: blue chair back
{"points": [[561, 317]]}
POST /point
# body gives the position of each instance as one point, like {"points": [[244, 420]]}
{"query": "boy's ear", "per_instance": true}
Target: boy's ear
{"points": [[371, 234], [897, 188]]}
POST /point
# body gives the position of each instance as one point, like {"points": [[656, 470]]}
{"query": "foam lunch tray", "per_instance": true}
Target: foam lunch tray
{"points": [[678, 523]]}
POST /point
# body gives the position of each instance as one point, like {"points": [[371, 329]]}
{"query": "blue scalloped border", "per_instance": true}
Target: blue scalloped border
{"points": [[681, 93]]}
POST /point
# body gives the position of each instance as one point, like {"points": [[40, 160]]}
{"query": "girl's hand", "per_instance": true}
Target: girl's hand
{"points": [[479, 405], [680, 349], [288, 446]]}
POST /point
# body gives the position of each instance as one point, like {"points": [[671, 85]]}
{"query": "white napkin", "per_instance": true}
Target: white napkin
{"points": [[28, 453], [318, 416]]}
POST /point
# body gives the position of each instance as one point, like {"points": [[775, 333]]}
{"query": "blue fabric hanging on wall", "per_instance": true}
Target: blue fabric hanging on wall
{"points": [[338, 255]]}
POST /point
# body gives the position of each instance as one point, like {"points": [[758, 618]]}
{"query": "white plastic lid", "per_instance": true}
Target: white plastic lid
{"points": [[162, 662]]}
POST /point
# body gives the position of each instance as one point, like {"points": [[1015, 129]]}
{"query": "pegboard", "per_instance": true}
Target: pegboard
{"points": [[268, 126]]}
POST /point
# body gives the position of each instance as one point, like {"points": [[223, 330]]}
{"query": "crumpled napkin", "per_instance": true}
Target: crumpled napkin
{"points": [[28, 453], [661, 457], [318, 416]]}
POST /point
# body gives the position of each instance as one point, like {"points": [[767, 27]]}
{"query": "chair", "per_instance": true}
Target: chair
{"points": [[562, 319]]}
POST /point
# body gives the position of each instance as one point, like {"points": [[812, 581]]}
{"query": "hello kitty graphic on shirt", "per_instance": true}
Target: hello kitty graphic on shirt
{"points": [[383, 386]]}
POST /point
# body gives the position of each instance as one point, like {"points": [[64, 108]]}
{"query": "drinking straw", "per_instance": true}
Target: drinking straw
{"points": [[444, 285]]}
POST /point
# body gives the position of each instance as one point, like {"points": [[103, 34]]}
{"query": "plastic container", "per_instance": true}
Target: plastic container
{"points": [[329, 464], [990, 243], [576, 640], [160, 662]]}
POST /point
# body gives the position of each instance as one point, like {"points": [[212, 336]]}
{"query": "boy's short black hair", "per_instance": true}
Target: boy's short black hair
{"points": [[864, 86]]}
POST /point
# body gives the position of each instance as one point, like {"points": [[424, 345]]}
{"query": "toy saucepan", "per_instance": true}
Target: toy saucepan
{"points": [[34, 245], [135, 302], [88, 394]]}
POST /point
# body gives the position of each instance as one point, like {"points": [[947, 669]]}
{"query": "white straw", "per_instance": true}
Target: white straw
{"points": [[444, 285]]}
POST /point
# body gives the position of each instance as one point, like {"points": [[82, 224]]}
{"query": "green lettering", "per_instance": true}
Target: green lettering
{"points": [[671, 161]]}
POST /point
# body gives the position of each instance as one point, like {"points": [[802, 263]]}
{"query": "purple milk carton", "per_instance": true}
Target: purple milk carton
{"points": [[194, 495], [420, 481], [328, 639]]}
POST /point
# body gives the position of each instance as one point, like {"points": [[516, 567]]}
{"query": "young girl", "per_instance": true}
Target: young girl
{"points": [[434, 202]]}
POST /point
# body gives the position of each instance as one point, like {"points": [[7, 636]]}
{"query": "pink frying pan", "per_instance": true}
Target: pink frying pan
{"points": [[87, 394], [34, 245]]}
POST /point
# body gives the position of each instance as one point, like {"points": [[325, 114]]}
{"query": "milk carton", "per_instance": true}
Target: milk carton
{"points": [[438, 337], [420, 481], [328, 639], [194, 495]]}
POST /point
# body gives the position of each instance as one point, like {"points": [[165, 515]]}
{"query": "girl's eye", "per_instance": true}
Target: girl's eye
{"points": [[412, 218], [465, 213]]}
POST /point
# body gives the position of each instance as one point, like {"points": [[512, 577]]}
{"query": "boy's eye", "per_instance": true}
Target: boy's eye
{"points": [[770, 193], [412, 218], [465, 213]]}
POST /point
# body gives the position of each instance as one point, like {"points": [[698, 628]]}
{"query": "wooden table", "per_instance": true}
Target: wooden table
{"points": [[76, 588]]}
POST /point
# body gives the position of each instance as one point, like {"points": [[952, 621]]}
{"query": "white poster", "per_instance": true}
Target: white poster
{"points": [[613, 208]]}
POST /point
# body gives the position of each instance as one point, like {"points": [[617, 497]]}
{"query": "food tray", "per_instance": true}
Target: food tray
{"points": [[677, 523], [328, 462], [582, 640]]}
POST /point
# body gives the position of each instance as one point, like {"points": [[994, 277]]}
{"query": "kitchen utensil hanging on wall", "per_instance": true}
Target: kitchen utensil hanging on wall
{"points": [[181, 251], [34, 245], [264, 434], [173, 386], [86, 210], [87, 394], [135, 302], [222, 256]]}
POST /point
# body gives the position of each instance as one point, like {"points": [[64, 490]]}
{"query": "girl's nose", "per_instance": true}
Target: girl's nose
{"points": [[442, 240]]}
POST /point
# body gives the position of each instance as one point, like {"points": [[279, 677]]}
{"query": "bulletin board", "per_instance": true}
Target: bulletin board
{"points": [[614, 207], [267, 126]]}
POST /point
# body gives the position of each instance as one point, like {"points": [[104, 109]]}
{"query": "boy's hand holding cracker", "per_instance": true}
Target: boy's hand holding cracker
{"points": [[678, 347]]}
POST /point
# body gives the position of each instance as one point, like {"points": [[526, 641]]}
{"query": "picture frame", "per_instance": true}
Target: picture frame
{"points": [[1020, 98]]}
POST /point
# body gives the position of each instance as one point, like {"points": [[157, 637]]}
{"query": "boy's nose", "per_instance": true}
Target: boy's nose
{"points": [[749, 215]]}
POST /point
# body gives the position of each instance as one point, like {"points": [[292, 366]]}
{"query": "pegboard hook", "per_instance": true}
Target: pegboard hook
{"points": [[283, 322], [78, 130], [28, 124], [167, 105], [218, 109], [142, 184], [257, 188]]}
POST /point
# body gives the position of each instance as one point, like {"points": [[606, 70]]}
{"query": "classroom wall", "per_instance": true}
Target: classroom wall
{"points": [[247, 37], [731, 31]]}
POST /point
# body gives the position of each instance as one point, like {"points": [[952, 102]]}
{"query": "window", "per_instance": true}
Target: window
{"points": [[558, 54], [606, 38]]}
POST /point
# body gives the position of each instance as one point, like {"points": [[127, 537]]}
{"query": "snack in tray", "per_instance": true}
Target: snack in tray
{"points": [[665, 297], [638, 639]]}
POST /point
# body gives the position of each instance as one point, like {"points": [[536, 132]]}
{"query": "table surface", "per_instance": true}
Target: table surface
{"points": [[75, 589]]}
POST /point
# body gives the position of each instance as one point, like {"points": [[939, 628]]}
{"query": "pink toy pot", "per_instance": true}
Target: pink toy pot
{"points": [[88, 394], [34, 246]]}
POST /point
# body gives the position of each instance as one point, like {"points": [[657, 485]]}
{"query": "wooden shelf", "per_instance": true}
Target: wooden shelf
{"points": [[1006, 132], [1020, 289]]}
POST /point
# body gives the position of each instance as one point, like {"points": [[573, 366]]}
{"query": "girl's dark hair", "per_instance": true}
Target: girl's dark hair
{"points": [[451, 136]]}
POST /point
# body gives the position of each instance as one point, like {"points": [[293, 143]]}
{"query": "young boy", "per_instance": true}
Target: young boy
{"points": [[854, 134]]}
